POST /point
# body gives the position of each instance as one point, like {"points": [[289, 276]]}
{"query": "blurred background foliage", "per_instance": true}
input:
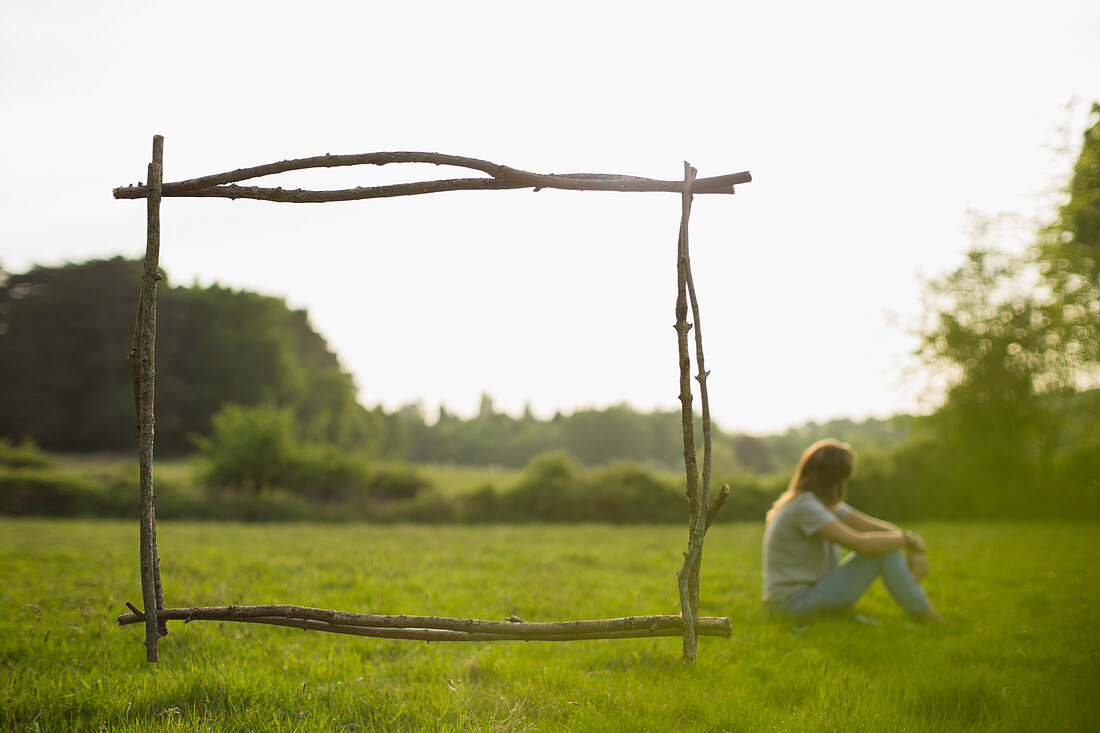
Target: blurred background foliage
{"points": [[265, 423], [65, 333]]}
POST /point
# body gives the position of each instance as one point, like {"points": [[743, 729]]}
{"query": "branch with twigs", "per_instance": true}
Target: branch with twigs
{"points": [[222, 185], [435, 628], [702, 510]]}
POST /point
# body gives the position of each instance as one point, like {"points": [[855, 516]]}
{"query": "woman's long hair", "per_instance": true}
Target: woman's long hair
{"points": [[824, 469]]}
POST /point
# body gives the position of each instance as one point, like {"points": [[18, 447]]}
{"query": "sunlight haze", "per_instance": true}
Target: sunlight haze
{"points": [[870, 131]]}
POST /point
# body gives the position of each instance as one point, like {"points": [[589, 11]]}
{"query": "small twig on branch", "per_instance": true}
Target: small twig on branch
{"points": [[502, 177], [716, 505], [437, 628]]}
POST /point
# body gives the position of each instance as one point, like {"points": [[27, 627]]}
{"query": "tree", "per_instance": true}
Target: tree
{"points": [[65, 333], [753, 453], [615, 433], [985, 335], [1020, 347], [1069, 255]]}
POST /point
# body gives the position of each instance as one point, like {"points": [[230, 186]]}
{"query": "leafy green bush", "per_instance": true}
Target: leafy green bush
{"points": [[627, 492], [254, 451], [750, 496], [250, 450], [327, 474], [484, 505], [554, 489], [547, 491], [397, 482], [428, 507], [55, 493], [25, 454]]}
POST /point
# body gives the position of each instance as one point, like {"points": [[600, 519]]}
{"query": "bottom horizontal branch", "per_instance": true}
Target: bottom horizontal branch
{"points": [[435, 628], [520, 634]]}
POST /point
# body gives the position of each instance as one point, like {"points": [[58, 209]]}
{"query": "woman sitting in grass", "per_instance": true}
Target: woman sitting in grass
{"points": [[802, 572]]}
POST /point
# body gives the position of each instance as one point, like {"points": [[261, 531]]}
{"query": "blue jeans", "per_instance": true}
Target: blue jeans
{"points": [[846, 584]]}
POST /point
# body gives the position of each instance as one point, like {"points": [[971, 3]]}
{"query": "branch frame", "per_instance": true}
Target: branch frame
{"points": [[225, 185]]}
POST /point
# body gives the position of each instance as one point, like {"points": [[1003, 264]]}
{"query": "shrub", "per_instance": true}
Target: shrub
{"points": [[254, 450], [251, 449], [397, 482], [553, 489], [327, 474], [25, 454], [52, 493], [547, 491], [750, 496], [429, 507], [483, 505], [627, 492]]}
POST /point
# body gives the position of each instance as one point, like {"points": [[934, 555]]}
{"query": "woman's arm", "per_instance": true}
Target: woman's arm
{"points": [[872, 542], [861, 522]]}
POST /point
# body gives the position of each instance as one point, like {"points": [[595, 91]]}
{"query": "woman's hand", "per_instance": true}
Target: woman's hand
{"points": [[914, 542]]}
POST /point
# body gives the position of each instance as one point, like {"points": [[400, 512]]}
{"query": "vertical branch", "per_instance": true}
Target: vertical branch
{"points": [[704, 403], [687, 419], [150, 570], [135, 368], [158, 158], [704, 400]]}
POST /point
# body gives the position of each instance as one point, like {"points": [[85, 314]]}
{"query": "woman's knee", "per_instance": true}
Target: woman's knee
{"points": [[882, 564], [895, 558]]}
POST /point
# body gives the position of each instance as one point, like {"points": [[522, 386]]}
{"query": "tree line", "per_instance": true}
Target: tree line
{"points": [[66, 332], [1012, 338], [598, 436]]}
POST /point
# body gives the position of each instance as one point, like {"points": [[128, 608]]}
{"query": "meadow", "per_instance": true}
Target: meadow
{"points": [[1020, 653]]}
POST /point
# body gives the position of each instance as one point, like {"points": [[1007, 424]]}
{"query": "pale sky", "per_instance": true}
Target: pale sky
{"points": [[870, 129]]}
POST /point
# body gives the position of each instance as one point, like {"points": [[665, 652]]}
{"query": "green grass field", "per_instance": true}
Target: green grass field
{"points": [[1021, 654]]}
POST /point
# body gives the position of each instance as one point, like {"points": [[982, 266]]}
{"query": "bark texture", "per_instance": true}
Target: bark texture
{"points": [[687, 419], [220, 185], [151, 592], [701, 511], [437, 628]]}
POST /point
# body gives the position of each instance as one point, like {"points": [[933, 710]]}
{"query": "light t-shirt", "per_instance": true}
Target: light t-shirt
{"points": [[794, 558]]}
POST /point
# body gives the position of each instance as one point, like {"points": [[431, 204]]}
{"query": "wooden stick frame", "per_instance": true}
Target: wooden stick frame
{"points": [[701, 510]]}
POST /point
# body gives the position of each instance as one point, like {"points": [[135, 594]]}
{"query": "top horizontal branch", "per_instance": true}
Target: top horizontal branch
{"points": [[501, 177]]}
